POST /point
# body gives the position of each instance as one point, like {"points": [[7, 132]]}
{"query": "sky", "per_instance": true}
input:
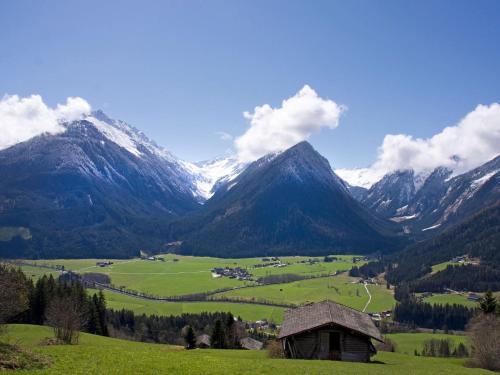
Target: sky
{"points": [[204, 78]]}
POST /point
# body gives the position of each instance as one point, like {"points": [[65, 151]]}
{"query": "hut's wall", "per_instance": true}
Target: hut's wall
{"points": [[305, 345], [355, 348], [318, 344]]}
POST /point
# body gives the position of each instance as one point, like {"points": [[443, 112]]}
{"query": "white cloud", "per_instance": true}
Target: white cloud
{"points": [[24, 118], [275, 129], [462, 147], [224, 136]]}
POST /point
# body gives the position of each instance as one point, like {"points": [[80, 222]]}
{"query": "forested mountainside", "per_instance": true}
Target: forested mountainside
{"points": [[99, 189], [477, 237], [287, 203]]}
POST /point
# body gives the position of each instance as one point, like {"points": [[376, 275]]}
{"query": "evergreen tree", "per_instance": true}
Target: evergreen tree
{"points": [[217, 339], [488, 303], [101, 313], [189, 337]]}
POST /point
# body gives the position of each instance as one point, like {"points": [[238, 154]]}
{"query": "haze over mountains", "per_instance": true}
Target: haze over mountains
{"points": [[101, 188]]}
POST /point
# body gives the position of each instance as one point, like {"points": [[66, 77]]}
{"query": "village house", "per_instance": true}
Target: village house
{"points": [[103, 264], [328, 330], [473, 297], [233, 273]]}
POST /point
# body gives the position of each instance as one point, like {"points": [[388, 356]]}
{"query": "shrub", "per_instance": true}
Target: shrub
{"points": [[484, 334], [387, 346], [275, 350]]}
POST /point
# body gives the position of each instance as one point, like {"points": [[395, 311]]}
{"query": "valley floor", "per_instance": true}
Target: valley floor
{"points": [[180, 275], [101, 355]]}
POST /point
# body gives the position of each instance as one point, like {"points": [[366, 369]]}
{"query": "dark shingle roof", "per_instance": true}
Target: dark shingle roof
{"points": [[250, 344], [315, 315]]}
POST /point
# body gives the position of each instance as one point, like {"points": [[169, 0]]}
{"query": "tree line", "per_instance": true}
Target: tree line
{"points": [[66, 306]]}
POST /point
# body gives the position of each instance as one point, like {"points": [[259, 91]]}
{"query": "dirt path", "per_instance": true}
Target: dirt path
{"points": [[369, 297]]}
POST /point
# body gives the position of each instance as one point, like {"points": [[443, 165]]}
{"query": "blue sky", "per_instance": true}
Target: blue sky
{"points": [[184, 70]]}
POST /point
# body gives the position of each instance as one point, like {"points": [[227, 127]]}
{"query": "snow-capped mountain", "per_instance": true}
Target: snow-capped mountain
{"points": [[285, 203], [209, 175], [99, 188], [393, 191], [201, 179], [102, 188], [432, 201], [446, 200]]}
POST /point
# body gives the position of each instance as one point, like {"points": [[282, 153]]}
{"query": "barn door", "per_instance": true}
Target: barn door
{"points": [[335, 348], [324, 345]]}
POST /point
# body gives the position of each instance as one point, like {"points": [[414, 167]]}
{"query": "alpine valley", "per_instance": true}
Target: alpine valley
{"points": [[104, 189]]}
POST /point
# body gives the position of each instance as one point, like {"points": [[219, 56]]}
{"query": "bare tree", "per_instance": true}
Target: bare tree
{"points": [[67, 317], [484, 334]]}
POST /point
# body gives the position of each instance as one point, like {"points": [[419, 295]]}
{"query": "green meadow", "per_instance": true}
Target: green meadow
{"points": [[442, 299], [340, 288], [101, 355], [407, 343], [250, 312], [459, 299], [179, 275]]}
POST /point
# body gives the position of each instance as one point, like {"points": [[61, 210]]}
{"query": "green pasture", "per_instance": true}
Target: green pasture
{"points": [[141, 306], [406, 343], [179, 275], [341, 288], [101, 355]]}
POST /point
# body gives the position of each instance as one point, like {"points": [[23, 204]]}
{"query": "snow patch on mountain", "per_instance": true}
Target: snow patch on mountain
{"points": [[208, 174], [430, 228], [363, 177], [115, 135]]}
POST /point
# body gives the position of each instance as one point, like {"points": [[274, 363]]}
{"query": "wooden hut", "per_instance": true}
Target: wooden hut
{"points": [[203, 341], [328, 330], [250, 344]]}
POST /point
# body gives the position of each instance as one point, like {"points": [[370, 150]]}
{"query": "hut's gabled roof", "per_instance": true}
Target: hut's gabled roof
{"points": [[250, 344], [203, 340], [319, 314]]}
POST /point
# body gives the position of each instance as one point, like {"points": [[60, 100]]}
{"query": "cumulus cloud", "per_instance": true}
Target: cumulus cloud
{"points": [[275, 129], [471, 142], [24, 118], [224, 136]]}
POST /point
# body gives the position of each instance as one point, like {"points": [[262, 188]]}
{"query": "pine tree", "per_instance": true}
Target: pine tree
{"points": [[488, 303], [217, 340], [189, 337], [101, 313]]}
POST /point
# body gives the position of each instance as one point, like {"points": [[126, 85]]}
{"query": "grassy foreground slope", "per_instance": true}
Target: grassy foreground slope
{"points": [[100, 355]]}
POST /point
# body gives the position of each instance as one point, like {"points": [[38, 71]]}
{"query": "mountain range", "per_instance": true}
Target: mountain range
{"points": [[103, 189], [430, 202]]}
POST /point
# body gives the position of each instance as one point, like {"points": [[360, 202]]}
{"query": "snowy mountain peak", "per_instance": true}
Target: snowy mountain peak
{"points": [[210, 174], [127, 136]]}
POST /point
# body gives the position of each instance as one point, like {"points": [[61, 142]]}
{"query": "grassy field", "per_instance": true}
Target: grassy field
{"points": [[406, 343], [179, 275], [189, 274], [36, 272], [459, 299], [141, 306], [341, 288], [100, 355], [442, 266]]}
